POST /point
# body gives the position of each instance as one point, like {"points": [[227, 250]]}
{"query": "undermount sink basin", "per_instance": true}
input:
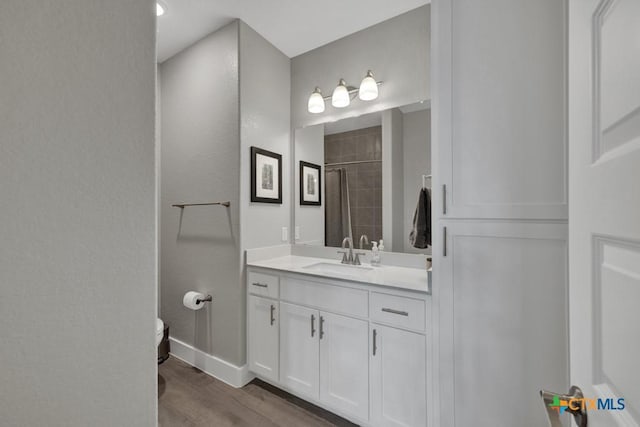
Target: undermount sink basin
{"points": [[327, 267]]}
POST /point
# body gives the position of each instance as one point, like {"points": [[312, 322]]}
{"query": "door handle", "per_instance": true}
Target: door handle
{"points": [[273, 319], [375, 339], [321, 327], [313, 327], [573, 403]]}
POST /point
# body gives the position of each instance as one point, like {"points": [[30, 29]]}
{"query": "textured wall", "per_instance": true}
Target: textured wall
{"points": [[396, 50], [200, 161], [309, 147], [265, 123], [77, 255]]}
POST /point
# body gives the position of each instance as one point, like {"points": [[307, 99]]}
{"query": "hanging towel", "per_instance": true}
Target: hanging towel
{"points": [[420, 236]]}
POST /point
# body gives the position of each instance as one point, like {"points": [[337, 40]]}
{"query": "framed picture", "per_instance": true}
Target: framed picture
{"points": [[266, 176], [310, 184]]}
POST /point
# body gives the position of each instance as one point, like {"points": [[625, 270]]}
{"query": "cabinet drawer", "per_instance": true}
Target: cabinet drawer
{"points": [[337, 299], [398, 311], [263, 284]]}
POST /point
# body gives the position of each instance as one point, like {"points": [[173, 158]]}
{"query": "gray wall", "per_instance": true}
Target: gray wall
{"points": [[224, 94], [265, 123], [77, 258], [200, 161], [416, 138], [392, 180], [309, 147], [396, 50]]}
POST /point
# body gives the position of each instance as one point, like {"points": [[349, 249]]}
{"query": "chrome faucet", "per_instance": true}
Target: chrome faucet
{"points": [[349, 257], [366, 241]]}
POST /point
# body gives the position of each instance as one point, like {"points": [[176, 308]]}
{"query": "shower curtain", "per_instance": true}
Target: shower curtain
{"points": [[337, 216]]}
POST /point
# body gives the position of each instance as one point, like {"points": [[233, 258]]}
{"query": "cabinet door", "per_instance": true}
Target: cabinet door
{"points": [[398, 378], [344, 364], [263, 337], [502, 297], [299, 352], [500, 141]]}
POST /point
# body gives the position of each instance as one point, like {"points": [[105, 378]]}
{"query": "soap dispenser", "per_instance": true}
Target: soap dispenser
{"points": [[380, 249], [375, 254]]}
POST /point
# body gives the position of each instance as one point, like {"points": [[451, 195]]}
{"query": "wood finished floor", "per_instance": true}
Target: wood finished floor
{"points": [[189, 397]]}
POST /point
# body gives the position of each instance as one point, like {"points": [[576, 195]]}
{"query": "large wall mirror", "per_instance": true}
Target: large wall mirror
{"points": [[374, 180]]}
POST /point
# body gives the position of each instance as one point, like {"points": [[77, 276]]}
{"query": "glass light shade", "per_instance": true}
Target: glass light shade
{"points": [[316, 102], [340, 97], [159, 9], [368, 88]]}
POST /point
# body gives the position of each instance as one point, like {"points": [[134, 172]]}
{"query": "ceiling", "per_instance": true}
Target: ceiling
{"points": [[293, 26]]}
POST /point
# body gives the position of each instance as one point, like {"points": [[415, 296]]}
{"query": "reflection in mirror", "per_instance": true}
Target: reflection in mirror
{"points": [[374, 169]]}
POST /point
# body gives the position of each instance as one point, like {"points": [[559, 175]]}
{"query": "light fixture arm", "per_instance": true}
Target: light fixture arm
{"points": [[352, 90]]}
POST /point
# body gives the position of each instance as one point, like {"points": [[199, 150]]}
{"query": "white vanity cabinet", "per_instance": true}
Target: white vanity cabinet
{"points": [[356, 349], [324, 356], [299, 350], [398, 372], [263, 325], [344, 364]]}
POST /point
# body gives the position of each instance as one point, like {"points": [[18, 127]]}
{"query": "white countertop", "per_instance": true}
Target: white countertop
{"points": [[412, 279]]}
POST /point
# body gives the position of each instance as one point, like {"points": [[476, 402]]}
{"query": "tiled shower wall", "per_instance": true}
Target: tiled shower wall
{"points": [[364, 179]]}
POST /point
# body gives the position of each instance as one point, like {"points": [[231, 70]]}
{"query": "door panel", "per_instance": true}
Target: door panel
{"points": [[299, 351], [503, 328], [344, 364], [502, 152], [263, 337], [604, 217], [398, 372]]}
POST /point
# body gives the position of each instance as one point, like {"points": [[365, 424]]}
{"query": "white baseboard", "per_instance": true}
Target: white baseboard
{"points": [[235, 376]]}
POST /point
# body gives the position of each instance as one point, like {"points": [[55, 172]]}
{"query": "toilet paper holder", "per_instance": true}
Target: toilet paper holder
{"points": [[208, 298]]}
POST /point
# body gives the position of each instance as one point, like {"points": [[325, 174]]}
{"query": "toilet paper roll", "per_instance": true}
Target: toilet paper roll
{"points": [[193, 300]]}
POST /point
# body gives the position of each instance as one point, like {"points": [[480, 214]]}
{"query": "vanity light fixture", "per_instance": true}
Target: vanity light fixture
{"points": [[340, 97], [316, 102], [343, 94], [368, 88], [160, 9]]}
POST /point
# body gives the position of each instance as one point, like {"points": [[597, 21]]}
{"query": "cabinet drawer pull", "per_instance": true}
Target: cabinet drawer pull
{"points": [[392, 311], [321, 327], [273, 319], [375, 339], [260, 285], [444, 199], [313, 327], [444, 241]]}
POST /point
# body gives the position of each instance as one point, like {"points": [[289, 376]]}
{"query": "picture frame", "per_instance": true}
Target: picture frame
{"points": [[310, 184], [266, 176]]}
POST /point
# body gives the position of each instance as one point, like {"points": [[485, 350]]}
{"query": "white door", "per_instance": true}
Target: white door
{"points": [[604, 206], [299, 351], [344, 364], [398, 372], [263, 337]]}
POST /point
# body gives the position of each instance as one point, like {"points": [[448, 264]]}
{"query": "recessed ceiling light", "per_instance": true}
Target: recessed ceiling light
{"points": [[160, 9]]}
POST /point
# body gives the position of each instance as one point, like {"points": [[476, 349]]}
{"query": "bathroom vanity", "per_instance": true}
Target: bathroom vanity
{"points": [[351, 339]]}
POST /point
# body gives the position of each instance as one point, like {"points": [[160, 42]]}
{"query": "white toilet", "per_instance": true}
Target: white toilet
{"points": [[159, 331]]}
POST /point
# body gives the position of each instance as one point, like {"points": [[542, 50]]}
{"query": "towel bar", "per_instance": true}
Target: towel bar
{"points": [[182, 205]]}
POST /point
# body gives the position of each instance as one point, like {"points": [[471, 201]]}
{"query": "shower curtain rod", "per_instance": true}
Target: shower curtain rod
{"points": [[356, 162]]}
